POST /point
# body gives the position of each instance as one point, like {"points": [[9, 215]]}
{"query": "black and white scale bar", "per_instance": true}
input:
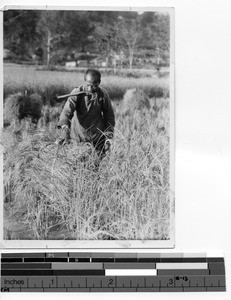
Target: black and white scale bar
{"points": [[139, 283], [111, 272]]}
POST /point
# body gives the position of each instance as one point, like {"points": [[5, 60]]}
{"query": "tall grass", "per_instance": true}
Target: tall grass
{"points": [[52, 194], [55, 195]]}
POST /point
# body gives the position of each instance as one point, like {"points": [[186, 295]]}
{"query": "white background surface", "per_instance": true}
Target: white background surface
{"points": [[203, 134]]}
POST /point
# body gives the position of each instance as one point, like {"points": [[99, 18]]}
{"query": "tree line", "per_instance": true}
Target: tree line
{"points": [[117, 36]]}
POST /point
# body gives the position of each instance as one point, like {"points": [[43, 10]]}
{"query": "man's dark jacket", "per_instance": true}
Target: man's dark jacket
{"points": [[90, 116]]}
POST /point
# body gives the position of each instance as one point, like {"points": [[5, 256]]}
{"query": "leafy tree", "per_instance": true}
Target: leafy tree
{"points": [[136, 35], [105, 33], [156, 33], [129, 36], [105, 38], [20, 31], [79, 28], [51, 29], [116, 35]]}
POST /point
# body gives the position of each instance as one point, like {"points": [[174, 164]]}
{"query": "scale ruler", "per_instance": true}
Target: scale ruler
{"points": [[111, 272]]}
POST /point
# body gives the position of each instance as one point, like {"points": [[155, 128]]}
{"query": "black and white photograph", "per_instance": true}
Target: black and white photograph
{"points": [[88, 127]]}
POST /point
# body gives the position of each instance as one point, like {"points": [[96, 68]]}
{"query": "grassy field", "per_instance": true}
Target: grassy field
{"points": [[51, 194], [49, 84]]}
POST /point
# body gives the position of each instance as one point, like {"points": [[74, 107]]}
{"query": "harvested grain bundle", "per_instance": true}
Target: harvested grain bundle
{"points": [[160, 104], [135, 100], [19, 106]]}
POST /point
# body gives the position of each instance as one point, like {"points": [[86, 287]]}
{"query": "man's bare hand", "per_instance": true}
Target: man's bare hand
{"points": [[65, 137], [107, 145]]}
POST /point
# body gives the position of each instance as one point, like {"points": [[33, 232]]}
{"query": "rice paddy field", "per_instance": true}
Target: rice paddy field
{"points": [[50, 194]]}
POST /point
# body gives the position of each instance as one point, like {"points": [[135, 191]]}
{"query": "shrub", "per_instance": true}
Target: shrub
{"points": [[135, 99], [20, 106]]}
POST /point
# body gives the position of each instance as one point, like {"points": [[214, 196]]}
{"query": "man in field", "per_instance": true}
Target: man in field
{"points": [[90, 114]]}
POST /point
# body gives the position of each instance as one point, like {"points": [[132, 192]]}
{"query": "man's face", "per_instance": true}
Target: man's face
{"points": [[92, 83]]}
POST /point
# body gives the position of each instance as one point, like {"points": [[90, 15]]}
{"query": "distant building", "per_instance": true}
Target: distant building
{"points": [[82, 63], [99, 62], [104, 64], [70, 64]]}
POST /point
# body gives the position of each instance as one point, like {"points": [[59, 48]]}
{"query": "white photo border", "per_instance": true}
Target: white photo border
{"points": [[99, 244]]}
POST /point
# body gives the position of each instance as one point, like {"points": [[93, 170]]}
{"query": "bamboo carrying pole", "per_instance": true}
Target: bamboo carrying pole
{"points": [[69, 95]]}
